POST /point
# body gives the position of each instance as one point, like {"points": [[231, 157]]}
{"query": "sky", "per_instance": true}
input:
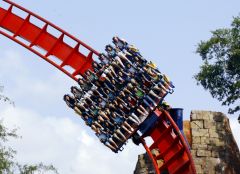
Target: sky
{"points": [[166, 32]]}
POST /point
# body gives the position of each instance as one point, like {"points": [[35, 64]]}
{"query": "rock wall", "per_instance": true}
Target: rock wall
{"points": [[144, 165], [214, 148]]}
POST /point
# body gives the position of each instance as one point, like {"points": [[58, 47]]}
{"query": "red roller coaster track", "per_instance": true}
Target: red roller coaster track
{"points": [[35, 36], [167, 138]]}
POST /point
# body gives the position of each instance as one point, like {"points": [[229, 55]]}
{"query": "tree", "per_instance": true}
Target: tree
{"points": [[8, 164], [4, 98], [220, 72]]}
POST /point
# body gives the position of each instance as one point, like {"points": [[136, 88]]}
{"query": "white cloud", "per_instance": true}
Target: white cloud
{"points": [[56, 136], [49, 135], [65, 144], [235, 126], [11, 62], [39, 87]]}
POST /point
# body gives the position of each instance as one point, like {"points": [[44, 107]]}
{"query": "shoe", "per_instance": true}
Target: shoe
{"points": [[115, 150], [143, 118], [152, 108]]}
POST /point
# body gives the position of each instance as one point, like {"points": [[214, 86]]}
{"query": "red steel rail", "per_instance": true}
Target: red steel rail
{"points": [[166, 135], [31, 36], [172, 151]]}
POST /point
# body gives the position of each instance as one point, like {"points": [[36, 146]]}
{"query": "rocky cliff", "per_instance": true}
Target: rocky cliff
{"points": [[214, 148], [144, 165]]}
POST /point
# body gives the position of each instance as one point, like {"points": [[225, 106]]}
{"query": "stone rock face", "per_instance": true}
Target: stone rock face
{"points": [[213, 146], [144, 165], [214, 149]]}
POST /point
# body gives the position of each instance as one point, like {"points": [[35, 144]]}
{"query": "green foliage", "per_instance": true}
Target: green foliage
{"points": [[220, 72], [40, 168], [4, 98], [6, 153], [8, 165]]}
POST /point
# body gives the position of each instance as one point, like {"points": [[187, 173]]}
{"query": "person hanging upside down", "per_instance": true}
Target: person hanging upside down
{"points": [[90, 76], [77, 93], [140, 95], [121, 122], [85, 84], [120, 43], [119, 57], [92, 122], [110, 94], [124, 47], [105, 60], [72, 103], [97, 68], [94, 110], [124, 76], [106, 139], [102, 103], [112, 130], [104, 114]]}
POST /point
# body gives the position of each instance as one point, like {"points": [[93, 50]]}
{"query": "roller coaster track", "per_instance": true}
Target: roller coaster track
{"points": [[169, 151], [33, 37], [168, 141]]}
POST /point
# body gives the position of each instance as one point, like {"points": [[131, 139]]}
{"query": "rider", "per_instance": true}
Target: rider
{"points": [[90, 121], [102, 103], [121, 122], [165, 106], [140, 95], [72, 103], [92, 77], [120, 43], [97, 67], [106, 139], [105, 60], [130, 50], [85, 84], [131, 69], [117, 55], [77, 92], [112, 53], [94, 110], [110, 94]]}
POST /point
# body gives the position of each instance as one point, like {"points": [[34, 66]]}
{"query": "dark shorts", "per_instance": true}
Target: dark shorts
{"points": [[89, 121], [118, 120], [103, 138]]}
